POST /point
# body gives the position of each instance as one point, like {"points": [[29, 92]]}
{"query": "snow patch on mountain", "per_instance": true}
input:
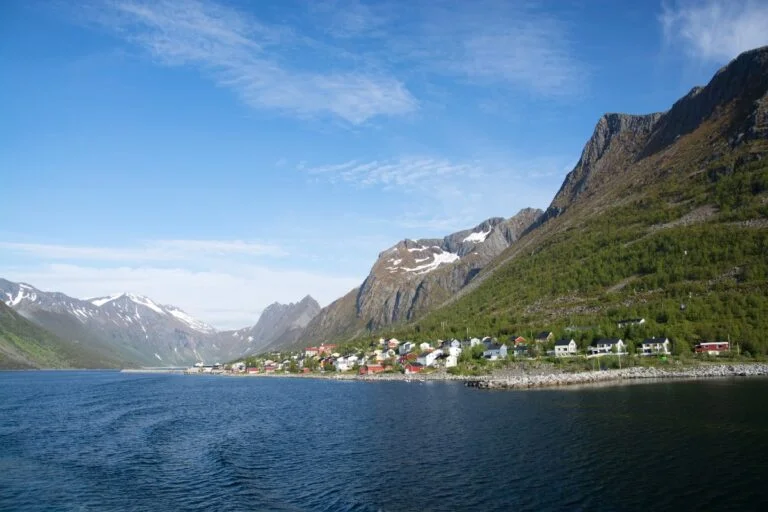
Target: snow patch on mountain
{"points": [[188, 320], [478, 237], [98, 302], [438, 259], [147, 302]]}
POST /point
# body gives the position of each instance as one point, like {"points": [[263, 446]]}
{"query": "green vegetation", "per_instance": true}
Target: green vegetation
{"points": [[687, 250], [25, 345]]}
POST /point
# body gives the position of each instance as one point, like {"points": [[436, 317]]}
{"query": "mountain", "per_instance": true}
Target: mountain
{"points": [[414, 276], [132, 327], [279, 326], [24, 345], [665, 217]]}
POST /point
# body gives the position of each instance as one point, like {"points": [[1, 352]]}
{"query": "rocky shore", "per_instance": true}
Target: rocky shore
{"points": [[628, 374]]}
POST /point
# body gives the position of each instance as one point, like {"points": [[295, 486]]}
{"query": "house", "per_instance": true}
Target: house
{"points": [[474, 341], [425, 346], [405, 348], [370, 369], [310, 351], [630, 321], [325, 349], [544, 337], [521, 350], [654, 346], [495, 351], [270, 369], [252, 370], [342, 364], [305, 370], [407, 358], [517, 340], [238, 367], [429, 358], [413, 368], [606, 346], [565, 348], [451, 361], [712, 348], [393, 343]]}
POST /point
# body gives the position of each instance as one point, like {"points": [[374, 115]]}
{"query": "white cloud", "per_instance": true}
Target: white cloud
{"points": [[433, 196], [715, 30], [406, 173], [515, 45], [225, 298], [159, 250], [251, 58]]}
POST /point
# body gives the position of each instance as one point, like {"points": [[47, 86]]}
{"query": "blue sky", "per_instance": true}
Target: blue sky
{"points": [[224, 155]]}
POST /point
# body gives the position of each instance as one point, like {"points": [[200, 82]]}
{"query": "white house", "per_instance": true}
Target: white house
{"points": [[606, 346], [425, 346], [655, 346], [405, 348], [341, 364], [429, 358], [495, 351], [238, 366], [565, 348], [474, 341]]}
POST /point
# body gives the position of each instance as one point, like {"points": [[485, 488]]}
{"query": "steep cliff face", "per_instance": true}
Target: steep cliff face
{"points": [[279, 325], [737, 90], [614, 143], [660, 210], [414, 276]]}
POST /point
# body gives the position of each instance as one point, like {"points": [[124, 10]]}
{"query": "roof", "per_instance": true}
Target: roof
{"points": [[605, 341], [543, 335], [563, 343], [654, 341], [493, 346]]}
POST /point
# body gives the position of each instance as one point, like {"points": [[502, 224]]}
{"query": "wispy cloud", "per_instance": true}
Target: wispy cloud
{"points": [[438, 196], [513, 44], [715, 30], [404, 173], [251, 58], [160, 250]]}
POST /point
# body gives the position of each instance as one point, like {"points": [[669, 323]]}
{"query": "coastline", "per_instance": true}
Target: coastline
{"points": [[532, 378], [708, 371]]}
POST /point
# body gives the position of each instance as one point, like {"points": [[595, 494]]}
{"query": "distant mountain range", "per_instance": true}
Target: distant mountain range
{"points": [[665, 217], [135, 330]]}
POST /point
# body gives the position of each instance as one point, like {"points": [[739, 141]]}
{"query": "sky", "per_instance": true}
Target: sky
{"points": [[223, 155]]}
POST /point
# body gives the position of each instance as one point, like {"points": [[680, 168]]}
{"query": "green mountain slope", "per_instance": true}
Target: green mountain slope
{"points": [[25, 345], [665, 217]]}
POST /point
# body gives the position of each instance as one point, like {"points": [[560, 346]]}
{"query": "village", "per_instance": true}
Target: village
{"points": [[451, 357]]}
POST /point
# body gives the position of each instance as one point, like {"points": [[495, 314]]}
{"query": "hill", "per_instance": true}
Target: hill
{"points": [[413, 277], [24, 345], [664, 217]]}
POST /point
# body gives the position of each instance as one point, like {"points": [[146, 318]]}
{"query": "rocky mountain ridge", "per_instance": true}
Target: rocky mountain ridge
{"points": [[414, 276], [279, 325]]}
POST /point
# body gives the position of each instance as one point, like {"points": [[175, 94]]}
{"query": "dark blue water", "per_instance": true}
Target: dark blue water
{"points": [[110, 441]]}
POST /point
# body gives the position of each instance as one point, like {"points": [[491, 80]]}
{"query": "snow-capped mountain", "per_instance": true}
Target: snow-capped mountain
{"points": [[136, 327], [414, 276]]}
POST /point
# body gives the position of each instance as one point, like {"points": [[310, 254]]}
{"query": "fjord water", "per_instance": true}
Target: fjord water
{"points": [[110, 441]]}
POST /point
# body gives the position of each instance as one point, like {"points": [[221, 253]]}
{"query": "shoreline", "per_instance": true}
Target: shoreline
{"points": [[523, 379], [634, 374]]}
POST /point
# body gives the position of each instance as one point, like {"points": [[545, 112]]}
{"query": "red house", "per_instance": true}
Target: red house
{"points": [[252, 370], [413, 368], [370, 369], [712, 347]]}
